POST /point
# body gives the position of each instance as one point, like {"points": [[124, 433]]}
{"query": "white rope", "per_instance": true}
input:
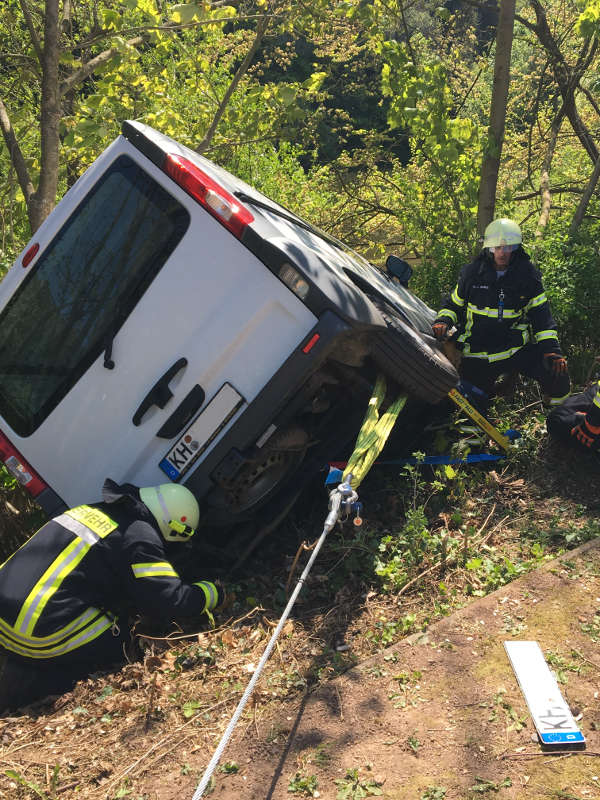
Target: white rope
{"points": [[336, 499]]}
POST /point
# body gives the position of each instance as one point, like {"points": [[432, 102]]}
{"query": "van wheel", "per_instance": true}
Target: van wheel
{"points": [[404, 355], [258, 480]]}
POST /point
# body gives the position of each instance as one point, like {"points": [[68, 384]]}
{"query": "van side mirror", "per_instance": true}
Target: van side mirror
{"points": [[399, 269]]}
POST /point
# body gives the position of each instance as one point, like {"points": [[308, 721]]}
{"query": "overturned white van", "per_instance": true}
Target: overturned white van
{"points": [[169, 322]]}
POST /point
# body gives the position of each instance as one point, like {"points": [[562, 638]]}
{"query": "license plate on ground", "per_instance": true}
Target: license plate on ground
{"points": [[211, 420], [551, 715]]}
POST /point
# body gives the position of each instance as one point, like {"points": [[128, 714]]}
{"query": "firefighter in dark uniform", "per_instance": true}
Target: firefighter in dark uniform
{"points": [[503, 319], [577, 420], [66, 595]]}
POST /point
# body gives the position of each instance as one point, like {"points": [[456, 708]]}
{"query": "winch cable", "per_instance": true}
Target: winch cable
{"points": [[343, 499]]}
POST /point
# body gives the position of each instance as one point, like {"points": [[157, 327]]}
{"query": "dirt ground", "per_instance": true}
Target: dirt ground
{"points": [[336, 715], [438, 715]]}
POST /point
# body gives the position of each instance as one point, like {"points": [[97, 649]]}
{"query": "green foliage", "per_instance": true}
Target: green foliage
{"points": [[301, 784], [190, 707], [352, 787], [387, 631], [229, 768], [588, 22], [561, 665], [482, 786], [33, 787], [322, 756], [557, 533], [400, 554], [592, 628], [434, 793], [513, 721], [571, 274]]}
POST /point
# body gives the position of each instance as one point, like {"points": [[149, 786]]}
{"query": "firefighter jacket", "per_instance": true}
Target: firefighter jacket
{"points": [[496, 316], [64, 591]]}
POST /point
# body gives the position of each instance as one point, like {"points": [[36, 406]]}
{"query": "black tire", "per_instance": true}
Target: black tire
{"points": [[404, 355], [259, 481]]}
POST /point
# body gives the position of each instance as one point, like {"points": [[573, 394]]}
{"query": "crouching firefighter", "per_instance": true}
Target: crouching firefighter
{"points": [[66, 595], [577, 420], [503, 320]]}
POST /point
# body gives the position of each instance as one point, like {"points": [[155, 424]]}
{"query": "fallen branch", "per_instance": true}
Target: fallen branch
{"points": [[418, 578], [593, 663], [225, 626]]}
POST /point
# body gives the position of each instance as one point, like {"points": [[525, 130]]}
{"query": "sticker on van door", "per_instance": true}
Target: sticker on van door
{"points": [[211, 420]]}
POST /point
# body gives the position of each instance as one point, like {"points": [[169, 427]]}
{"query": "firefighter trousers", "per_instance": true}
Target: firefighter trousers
{"points": [[528, 361], [25, 681]]}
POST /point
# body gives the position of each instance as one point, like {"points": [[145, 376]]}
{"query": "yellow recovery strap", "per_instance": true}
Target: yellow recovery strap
{"points": [[373, 434], [375, 430]]}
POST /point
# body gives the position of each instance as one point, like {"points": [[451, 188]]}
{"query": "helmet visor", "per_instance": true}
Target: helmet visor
{"points": [[504, 248]]}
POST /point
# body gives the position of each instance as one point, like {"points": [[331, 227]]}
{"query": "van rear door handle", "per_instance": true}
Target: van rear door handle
{"points": [[183, 413], [160, 394]]}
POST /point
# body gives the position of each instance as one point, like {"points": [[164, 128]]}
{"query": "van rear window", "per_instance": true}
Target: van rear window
{"points": [[82, 289]]}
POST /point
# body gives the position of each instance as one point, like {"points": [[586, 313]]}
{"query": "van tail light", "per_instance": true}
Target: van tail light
{"points": [[17, 466], [216, 200]]}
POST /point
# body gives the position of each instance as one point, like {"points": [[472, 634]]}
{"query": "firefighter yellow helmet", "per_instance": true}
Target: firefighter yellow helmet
{"points": [[502, 232], [174, 508]]}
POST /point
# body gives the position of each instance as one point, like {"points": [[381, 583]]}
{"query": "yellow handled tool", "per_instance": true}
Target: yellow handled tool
{"points": [[462, 402]]}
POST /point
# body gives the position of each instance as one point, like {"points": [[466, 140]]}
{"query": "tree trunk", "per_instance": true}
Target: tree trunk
{"points": [[44, 199], [545, 173], [263, 24], [585, 199], [567, 78], [491, 159], [16, 156]]}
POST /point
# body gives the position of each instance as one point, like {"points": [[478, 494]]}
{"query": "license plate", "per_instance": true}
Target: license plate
{"points": [[207, 425], [551, 715]]}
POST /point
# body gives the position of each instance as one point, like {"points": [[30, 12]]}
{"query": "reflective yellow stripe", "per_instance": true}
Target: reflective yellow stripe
{"points": [[210, 593], [505, 354], [536, 301], [154, 569], [456, 298], [550, 334], [468, 328], [556, 401], [508, 313], [91, 518], [47, 585], [57, 636], [596, 400], [83, 637], [447, 312], [492, 357]]}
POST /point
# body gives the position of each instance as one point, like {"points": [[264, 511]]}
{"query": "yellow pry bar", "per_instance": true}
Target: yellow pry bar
{"points": [[462, 402]]}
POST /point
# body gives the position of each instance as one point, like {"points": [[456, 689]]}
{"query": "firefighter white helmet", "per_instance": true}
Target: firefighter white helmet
{"points": [[174, 508], [501, 233]]}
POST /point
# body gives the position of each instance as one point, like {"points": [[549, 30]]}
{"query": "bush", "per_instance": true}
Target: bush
{"points": [[571, 273]]}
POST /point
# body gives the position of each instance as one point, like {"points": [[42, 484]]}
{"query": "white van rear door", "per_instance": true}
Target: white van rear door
{"points": [[139, 249]]}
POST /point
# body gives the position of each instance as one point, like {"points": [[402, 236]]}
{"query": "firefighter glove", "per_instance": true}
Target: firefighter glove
{"points": [[586, 434], [440, 331], [555, 363]]}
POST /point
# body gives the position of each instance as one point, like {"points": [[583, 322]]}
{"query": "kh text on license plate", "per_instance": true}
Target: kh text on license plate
{"points": [[201, 432]]}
